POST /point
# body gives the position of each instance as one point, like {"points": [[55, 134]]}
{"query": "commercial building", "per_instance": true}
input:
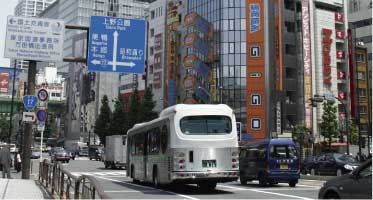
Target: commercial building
{"points": [[85, 90]]}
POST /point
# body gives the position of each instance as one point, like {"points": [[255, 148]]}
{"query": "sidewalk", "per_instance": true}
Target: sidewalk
{"points": [[17, 188]]}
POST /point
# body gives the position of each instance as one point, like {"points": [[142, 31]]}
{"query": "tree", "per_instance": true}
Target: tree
{"points": [[102, 124], [119, 122], [353, 132], [134, 111], [147, 106], [4, 129], [298, 134], [329, 125]]}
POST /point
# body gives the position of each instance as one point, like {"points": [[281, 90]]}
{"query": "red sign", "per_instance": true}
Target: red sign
{"points": [[339, 17], [4, 83], [339, 34], [341, 75], [189, 82], [157, 80], [340, 54], [157, 60], [158, 41], [326, 55], [342, 95]]}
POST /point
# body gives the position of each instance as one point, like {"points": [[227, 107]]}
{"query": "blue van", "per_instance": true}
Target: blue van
{"points": [[270, 161]]}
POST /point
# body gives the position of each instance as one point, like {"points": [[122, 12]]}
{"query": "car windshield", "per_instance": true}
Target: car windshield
{"points": [[206, 125], [346, 158], [283, 152]]}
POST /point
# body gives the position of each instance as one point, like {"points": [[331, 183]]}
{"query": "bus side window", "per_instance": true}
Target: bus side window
{"points": [[164, 138]]}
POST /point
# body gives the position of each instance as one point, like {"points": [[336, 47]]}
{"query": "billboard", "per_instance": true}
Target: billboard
{"points": [[307, 69], [256, 113], [4, 83]]}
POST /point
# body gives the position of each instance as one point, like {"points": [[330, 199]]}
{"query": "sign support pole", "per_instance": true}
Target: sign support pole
{"points": [[41, 146], [27, 139], [11, 106]]}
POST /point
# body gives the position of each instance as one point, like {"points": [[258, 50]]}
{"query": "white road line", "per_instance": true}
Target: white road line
{"points": [[266, 192], [147, 187], [121, 191]]}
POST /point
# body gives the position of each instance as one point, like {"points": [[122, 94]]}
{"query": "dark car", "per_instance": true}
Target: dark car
{"points": [[356, 185], [55, 149], [83, 152], [332, 164], [61, 155], [95, 152], [269, 161], [308, 163]]}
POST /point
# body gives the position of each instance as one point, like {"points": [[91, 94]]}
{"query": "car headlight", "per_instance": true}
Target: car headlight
{"points": [[349, 167]]}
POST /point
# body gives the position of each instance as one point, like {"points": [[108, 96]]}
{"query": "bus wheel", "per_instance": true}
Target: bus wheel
{"points": [[243, 181], [208, 186], [106, 165], [262, 180], [292, 183], [155, 178]]}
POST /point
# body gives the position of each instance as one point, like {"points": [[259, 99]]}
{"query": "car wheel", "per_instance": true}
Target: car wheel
{"points": [[339, 172], [313, 172], [155, 178], [243, 181], [331, 195], [292, 183]]}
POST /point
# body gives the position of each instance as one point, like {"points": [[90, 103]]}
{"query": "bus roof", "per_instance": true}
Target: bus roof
{"points": [[179, 107]]}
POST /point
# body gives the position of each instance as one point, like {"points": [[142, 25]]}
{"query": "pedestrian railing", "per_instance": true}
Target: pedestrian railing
{"points": [[62, 184]]}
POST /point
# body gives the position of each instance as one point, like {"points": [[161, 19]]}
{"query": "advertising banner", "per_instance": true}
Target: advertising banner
{"points": [[4, 83]]}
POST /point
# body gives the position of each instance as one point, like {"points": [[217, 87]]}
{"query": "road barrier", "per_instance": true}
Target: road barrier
{"points": [[61, 184]]}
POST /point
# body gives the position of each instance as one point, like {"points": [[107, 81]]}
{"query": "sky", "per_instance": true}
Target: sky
{"points": [[6, 8]]}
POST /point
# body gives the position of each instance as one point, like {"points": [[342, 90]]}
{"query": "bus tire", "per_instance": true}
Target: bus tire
{"points": [[133, 175], [156, 178], [262, 180], [207, 186], [292, 183], [243, 181]]}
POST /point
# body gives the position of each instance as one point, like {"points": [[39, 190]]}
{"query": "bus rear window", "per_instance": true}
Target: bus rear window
{"points": [[283, 152], [206, 125]]}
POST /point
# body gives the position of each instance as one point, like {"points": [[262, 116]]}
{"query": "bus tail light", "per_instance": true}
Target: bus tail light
{"points": [[179, 160], [234, 159]]}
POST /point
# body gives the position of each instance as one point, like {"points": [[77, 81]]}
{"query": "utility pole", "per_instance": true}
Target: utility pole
{"points": [[27, 139], [11, 106]]}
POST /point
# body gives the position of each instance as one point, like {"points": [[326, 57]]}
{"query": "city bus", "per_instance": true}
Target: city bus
{"points": [[187, 144]]}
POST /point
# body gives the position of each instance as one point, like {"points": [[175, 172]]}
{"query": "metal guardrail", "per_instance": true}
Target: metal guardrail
{"points": [[64, 185]]}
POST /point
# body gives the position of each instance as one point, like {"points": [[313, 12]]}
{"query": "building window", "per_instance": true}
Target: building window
{"points": [[152, 14], [360, 57], [361, 75], [290, 49], [152, 32], [255, 124], [362, 92], [231, 47], [289, 5], [256, 100], [151, 69], [151, 51], [290, 27], [363, 110]]}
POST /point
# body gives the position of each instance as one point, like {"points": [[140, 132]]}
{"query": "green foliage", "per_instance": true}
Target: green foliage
{"points": [[4, 129], [102, 124], [119, 124], [134, 112], [298, 132], [147, 106], [353, 132], [329, 125]]}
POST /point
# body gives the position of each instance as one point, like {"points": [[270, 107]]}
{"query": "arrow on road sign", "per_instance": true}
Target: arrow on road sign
{"points": [[124, 64], [115, 46]]}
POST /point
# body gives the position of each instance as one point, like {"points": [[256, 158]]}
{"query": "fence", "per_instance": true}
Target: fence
{"points": [[61, 184]]}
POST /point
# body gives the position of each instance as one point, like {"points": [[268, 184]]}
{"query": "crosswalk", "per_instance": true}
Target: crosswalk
{"points": [[106, 174]]}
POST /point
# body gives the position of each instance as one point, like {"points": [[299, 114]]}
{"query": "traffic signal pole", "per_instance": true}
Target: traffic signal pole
{"points": [[27, 139]]}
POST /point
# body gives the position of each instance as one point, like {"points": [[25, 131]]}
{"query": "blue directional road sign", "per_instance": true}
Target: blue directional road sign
{"points": [[30, 101], [41, 115], [116, 45]]}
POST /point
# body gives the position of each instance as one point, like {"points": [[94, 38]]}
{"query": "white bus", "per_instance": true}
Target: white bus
{"points": [[188, 144]]}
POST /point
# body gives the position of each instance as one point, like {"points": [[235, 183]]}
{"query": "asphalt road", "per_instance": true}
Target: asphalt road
{"points": [[118, 186]]}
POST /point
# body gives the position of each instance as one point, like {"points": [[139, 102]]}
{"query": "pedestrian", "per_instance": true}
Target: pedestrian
{"points": [[6, 161], [17, 162]]}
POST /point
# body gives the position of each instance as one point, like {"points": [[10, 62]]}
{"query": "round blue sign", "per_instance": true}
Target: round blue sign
{"points": [[41, 115]]}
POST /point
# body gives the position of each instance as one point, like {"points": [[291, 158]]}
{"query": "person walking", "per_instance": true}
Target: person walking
{"points": [[17, 162], [6, 161]]}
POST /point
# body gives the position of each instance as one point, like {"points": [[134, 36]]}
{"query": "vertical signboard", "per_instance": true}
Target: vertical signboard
{"points": [[326, 48], [351, 71], [307, 69], [4, 83], [256, 112]]}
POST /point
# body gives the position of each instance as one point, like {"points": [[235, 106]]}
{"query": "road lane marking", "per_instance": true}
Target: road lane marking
{"points": [[266, 192], [147, 187]]}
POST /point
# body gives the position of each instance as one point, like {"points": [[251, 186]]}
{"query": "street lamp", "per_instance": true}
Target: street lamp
{"points": [[321, 98]]}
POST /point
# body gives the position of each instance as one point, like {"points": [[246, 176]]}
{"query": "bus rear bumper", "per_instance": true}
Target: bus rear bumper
{"points": [[195, 177]]}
